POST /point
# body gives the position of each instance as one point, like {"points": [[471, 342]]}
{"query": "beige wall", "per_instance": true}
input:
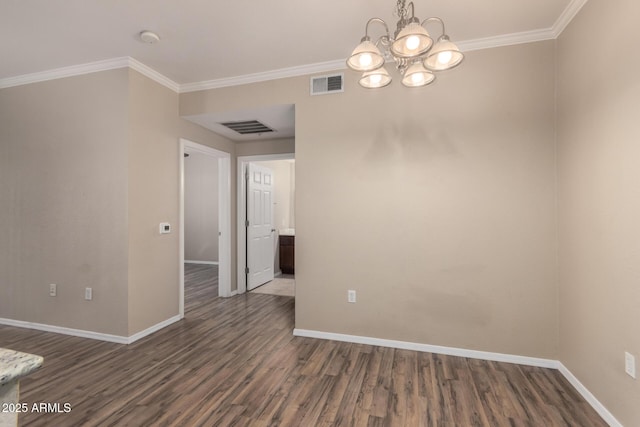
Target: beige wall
{"points": [[438, 206], [153, 187], [270, 146], [200, 208], [599, 194], [63, 209], [153, 198], [89, 168]]}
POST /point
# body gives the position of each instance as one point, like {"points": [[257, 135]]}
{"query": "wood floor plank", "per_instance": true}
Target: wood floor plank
{"points": [[234, 361]]}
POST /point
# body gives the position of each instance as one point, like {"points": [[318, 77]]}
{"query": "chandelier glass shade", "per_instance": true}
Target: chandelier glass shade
{"points": [[374, 79], [365, 57], [417, 75], [444, 55], [412, 40], [411, 48]]}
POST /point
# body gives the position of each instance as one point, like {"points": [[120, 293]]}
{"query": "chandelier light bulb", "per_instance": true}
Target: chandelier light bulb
{"points": [[444, 57], [375, 79], [412, 42], [365, 60], [417, 78]]}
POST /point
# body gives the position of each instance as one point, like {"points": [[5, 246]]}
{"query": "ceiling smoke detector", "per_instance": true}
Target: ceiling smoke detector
{"points": [[149, 37]]}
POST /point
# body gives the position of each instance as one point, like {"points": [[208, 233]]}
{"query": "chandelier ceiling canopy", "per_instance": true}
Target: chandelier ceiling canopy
{"points": [[411, 48]]}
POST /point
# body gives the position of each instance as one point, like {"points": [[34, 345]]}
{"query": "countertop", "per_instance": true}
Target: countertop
{"points": [[15, 364]]}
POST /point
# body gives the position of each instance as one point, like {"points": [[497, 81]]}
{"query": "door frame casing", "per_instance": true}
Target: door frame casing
{"points": [[243, 161], [224, 217]]}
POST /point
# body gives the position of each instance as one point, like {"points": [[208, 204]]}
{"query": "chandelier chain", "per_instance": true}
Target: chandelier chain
{"points": [[401, 9]]}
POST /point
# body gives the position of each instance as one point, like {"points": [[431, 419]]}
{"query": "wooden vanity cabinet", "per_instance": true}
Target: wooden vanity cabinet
{"points": [[287, 260]]}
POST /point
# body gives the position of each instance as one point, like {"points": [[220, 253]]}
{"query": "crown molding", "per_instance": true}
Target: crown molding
{"points": [[506, 40], [88, 68], [303, 70], [59, 73], [567, 16], [561, 23], [153, 75]]}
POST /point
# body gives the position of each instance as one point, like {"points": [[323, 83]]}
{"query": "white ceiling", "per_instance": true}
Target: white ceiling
{"points": [[204, 40], [208, 43]]}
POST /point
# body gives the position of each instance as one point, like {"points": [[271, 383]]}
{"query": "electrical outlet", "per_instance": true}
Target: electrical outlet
{"points": [[630, 364], [88, 294], [165, 228], [351, 296], [53, 290]]}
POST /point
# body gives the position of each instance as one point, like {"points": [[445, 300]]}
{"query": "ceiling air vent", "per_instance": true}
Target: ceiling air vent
{"points": [[247, 127], [323, 85]]}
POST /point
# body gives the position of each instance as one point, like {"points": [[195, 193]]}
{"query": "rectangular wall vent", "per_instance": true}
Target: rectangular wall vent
{"points": [[323, 85], [248, 127]]}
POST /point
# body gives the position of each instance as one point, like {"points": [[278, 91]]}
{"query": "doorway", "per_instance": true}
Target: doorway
{"points": [[260, 225], [243, 165], [224, 216]]}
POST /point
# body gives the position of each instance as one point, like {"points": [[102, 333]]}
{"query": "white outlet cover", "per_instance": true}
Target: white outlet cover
{"points": [[351, 296], [630, 364]]}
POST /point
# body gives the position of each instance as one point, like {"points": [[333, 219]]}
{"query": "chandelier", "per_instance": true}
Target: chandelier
{"points": [[412, 49]]}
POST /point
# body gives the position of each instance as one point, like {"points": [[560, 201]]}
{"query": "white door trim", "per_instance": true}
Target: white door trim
{"points": [[243, 161], [224, 217]]}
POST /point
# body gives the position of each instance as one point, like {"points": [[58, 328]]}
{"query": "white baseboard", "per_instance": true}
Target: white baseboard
{"points": [[472, 354], [65, 331], [590, 398], [139, 335], [89, 334], [190, 261], [231, 294], [428, 348]]}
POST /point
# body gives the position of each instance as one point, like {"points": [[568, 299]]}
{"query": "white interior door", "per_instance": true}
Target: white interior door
{"points": [[260, 230]]}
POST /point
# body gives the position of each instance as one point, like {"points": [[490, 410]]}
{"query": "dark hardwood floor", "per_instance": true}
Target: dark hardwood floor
{"points": [[235, 362]]}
